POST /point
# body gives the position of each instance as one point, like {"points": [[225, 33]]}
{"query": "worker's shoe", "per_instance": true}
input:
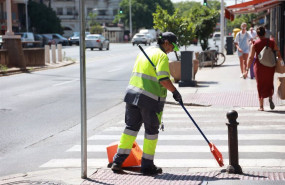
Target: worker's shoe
{"points": [[151, 170], [116, 167]]}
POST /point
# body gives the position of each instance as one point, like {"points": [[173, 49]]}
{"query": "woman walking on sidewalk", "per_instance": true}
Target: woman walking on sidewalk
{"points": [[264, 75], [242, 42]]}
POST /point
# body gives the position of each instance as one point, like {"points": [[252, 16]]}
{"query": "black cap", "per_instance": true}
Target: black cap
{"points": [[171, 37]]}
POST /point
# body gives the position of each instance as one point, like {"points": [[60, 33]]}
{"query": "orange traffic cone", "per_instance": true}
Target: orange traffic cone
{"points": [[134, 159]]}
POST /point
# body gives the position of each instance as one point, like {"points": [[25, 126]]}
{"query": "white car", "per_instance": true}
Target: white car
{"points": [[141, 39], [217, 36], [96, 41]]}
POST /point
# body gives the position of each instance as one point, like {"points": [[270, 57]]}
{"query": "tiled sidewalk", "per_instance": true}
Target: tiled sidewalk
{"points": [[106, 176]]}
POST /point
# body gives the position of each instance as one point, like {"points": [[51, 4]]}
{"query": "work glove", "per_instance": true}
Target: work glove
{"points": [[177, 96]]}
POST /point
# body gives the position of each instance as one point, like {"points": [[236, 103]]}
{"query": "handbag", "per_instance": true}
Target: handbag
{"points": [[281, 88], [267, 56], [280, 67]]}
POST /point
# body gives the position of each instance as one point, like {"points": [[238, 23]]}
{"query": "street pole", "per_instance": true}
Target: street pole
{"points": [[222, 26], [27, 23], [130, 13], [9, 31], [83, 91]]}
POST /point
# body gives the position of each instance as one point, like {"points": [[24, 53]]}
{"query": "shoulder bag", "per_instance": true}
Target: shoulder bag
{"points": [[280, 67], [267, 56]]}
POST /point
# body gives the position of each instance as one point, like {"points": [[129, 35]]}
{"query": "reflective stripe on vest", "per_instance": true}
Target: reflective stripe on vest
{"points": [[145, 76], [162, 73], [148, 94], [148, 85]]}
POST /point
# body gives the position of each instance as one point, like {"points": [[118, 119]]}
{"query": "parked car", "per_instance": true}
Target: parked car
{"points": [[27, 38], [74, 39], [47, 39], [59, 39], [217, 36], [39, 38], [96, 41], [140, 39]]}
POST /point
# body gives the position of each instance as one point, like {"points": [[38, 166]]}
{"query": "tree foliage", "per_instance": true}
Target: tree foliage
{"points": [[236, 23], [142, 11], [94, 26], [205, 20], [182, 27], [43, 19]]}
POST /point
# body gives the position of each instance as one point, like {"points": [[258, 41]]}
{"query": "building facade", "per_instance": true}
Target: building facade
{"points": [[68, 12]]}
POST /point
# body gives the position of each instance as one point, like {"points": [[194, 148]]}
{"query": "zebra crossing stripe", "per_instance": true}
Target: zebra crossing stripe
{"points": [[218, 115], [190, 149], [240, 127], [220, 137], [187, 163]]}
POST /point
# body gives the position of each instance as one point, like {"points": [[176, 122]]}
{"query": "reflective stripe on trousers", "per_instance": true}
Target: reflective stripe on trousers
{"points": [[149, 146], [126, 142]]}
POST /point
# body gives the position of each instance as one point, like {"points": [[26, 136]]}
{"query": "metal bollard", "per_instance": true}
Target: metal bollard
{"points": [[47, 54], [234, 166], [53, 54], [59, 52]]}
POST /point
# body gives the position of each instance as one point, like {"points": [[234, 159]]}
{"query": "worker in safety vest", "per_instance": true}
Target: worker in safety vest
{"points": [[145, 98]]}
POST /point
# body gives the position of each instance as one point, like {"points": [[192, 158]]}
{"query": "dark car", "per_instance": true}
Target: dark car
{"points": [[60, 39], [47, 39], [40, 40], [74, 39]]}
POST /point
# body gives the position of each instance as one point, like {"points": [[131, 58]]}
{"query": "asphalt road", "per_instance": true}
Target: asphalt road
{"points": [[38, 106]]}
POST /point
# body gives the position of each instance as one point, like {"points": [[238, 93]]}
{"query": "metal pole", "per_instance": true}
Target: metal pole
{"points": [[83, 91], [130, 13], [27, 21], [9, 31], [222, 26]]}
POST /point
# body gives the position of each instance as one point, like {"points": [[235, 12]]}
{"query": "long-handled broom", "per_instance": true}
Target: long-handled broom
{"points": [[217, 154]]}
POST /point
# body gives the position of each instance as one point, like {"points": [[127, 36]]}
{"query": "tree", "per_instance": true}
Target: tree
{"points": [[94, 26], [205, 20], [142, 12], [96, 29], [43, 19], [247, 18], [182, 27]]}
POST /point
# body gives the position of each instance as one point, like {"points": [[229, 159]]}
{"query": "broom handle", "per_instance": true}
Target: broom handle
{"points": [[181, 103], [147, 57]]}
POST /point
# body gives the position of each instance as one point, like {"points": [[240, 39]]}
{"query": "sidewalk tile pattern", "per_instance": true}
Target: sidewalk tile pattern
{"points": [[106, 176], [235, 99]]}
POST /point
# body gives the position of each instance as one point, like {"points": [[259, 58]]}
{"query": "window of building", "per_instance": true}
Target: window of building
{"points": [[59, 11], [89, 10], [102, 12], [115, 12], [69, 11]]}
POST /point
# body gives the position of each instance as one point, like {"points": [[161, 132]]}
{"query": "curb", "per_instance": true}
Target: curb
{"points": [[187, 104], [33, 68]]}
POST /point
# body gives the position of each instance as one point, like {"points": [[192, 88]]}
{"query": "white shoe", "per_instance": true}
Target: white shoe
{"points": [[241, 76]]}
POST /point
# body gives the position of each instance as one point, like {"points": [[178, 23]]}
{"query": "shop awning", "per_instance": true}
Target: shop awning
{"points": [[253, 6]]}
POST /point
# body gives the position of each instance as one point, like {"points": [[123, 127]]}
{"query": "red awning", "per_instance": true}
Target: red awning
{"points": [[253, 6]]}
